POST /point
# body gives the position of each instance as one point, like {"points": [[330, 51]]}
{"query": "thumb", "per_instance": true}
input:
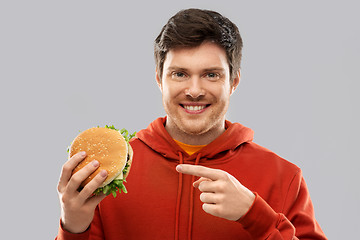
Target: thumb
{"points": [[197, 182]]}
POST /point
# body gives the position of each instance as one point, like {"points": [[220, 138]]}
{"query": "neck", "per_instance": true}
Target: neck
{"points": [[203, 138]]}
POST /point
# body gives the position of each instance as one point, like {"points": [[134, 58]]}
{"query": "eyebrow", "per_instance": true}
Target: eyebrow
{"points": [[215, 69], [176, 68]]}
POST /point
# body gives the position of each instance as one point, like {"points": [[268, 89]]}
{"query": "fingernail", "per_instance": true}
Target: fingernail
{"points": [[95, 163], [178, 168], [103, 173], [82, 154]]}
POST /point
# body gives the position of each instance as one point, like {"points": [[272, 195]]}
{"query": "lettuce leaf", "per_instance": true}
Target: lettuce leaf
{"points": [[117, 185]]}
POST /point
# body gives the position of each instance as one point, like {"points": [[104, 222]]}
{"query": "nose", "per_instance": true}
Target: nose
{"points": [[195, 88]]}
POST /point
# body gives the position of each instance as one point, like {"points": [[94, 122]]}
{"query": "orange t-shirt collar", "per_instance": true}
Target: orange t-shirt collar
{"points": [[189, 149]]}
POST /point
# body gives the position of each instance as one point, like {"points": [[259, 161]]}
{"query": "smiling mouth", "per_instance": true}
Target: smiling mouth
{"points": [[194, 108]]}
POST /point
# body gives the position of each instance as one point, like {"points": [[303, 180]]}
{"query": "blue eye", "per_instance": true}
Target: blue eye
{"points": [[212, 76], [180, 74]]}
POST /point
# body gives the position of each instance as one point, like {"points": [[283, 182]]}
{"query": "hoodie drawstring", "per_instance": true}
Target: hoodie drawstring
{"points": [[191, 213], [178, 201]]}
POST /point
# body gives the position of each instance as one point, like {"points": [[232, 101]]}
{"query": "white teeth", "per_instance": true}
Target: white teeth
{"points": [[194, 108]]}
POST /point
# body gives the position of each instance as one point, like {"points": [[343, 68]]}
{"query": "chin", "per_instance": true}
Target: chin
{"points": [[195, 127]]}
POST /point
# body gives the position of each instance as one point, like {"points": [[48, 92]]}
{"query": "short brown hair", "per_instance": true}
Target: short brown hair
{"points": [[191, 27]]}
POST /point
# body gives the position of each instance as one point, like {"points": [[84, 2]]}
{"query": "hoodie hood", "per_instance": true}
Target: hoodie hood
{"points": [[157, 138]]}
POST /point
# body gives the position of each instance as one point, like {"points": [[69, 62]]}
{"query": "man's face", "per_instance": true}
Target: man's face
{"points": [[196, 88]]}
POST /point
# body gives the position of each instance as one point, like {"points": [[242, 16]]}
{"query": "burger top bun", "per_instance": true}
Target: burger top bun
{"points": [[107, 146]]}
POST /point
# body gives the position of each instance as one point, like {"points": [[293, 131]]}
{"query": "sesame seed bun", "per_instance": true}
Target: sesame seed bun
{"points": [[107, 146]]}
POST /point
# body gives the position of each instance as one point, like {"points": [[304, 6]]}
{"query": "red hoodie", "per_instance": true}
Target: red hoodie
{"points": [[163, 204]]}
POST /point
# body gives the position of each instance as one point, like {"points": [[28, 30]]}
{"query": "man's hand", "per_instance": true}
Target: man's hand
{"points": [[222, 194], [77, 208]]}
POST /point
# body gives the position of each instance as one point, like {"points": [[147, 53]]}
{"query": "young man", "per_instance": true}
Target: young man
{"points": [[195, 175]]}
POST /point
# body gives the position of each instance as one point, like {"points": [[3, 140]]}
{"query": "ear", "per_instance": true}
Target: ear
{"points": [[235, 82], [158, 80]]}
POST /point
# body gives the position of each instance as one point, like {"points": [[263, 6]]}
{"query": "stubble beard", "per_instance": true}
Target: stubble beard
{"points": [[192, 130]]}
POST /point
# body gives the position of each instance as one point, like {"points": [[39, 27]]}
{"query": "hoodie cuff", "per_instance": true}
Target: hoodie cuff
{"points": [[65, 235], [260, 218]]}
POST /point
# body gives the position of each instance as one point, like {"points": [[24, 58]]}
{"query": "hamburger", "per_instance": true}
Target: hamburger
{"points": [[111, 148]]}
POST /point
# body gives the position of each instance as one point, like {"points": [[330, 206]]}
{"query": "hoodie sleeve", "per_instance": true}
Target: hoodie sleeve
{"points": [[94, 232], [296, 221]]}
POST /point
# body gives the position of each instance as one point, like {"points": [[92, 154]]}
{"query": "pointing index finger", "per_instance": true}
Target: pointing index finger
{"points": [[200, 171]]}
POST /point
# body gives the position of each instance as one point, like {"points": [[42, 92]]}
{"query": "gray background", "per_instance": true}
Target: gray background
{"points": [[69, 65]]}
